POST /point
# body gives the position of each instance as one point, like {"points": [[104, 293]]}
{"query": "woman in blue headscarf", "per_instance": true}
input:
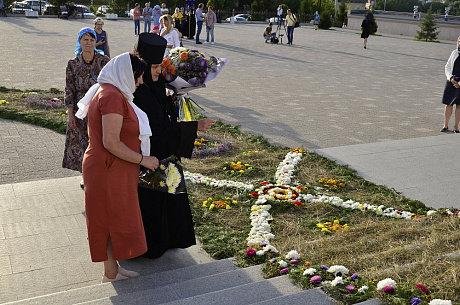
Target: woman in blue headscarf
{"points": [[81, 74], [366, 28]]}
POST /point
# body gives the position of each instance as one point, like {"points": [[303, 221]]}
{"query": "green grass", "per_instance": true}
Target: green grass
{"points": [[422, 250]]}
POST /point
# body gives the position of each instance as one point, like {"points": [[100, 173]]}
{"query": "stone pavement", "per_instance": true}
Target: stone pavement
{"points": [[377, 110]]}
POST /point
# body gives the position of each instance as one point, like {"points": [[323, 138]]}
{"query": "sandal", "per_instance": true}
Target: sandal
{"points": [[456, 131], [445, 129]]}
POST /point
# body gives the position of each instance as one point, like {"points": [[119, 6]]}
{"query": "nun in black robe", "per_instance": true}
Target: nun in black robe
{"points": [[167, 218]]}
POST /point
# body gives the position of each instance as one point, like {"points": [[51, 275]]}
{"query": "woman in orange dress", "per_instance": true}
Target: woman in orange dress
{"points": [[118, 132]]}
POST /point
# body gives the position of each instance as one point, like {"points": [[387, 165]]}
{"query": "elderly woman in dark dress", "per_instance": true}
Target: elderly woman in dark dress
{"points": [[167, 217], [451, 94], [366, 27], [81, 74]]}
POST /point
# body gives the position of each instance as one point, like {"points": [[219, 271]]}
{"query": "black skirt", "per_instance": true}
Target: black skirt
{"points": [[167, 221], [451, 95]]}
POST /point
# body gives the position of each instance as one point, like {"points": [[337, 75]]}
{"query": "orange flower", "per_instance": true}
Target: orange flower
{"points": [[171, 69], [183, 56], [166, 62]]}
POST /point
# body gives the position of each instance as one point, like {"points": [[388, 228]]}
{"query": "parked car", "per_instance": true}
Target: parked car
{"points": [[50, 9], [240, 17], [102, 10], [274, 20], [20, 8], [35, 5], [86, 11]]}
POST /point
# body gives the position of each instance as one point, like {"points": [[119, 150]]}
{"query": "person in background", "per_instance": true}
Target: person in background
{"points": [[102, 42], [268, 32], [156, 16], [451, 94], [164, 9], [199, 22], [178, 19], [169, 33], [81, 73], [279, 13], [167, 217], [2, 9], [211, 20], [147, 13], [119, 143], [291, 19], [136, 17], [366, 29], [316, 19]]}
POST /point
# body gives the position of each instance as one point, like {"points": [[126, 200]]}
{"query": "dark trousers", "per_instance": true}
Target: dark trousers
{"points": [[199, 25], [290, 34]]}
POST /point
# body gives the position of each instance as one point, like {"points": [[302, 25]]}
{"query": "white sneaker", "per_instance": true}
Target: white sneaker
{"points": [[212, 42], [206, 42]]}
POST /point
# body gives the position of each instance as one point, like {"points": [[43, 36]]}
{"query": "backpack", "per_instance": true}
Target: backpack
{"points": [[274, 39]]}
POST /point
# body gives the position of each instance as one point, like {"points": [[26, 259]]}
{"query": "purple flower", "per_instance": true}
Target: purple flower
{"points": [[283, 271], [263, 244], [316, 279], [192, 54], [188, 66], [293, 261], [272, 260], [354, 276], [202, 63], [250, 252], [325, 267], [168, 77], [388, 289], [415, 301], [350, 288], [182, 65]]}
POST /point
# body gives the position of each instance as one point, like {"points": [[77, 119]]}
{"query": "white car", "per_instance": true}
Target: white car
{"points": [[240, 17], [35, 5], [86, 12]]}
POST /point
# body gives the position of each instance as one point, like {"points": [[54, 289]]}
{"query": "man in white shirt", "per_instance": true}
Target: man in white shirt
{"points": [[199, 22], [279, 13]]}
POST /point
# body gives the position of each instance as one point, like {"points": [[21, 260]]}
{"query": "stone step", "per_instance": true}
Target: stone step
{"points": [[312, 296], [148, 280], [230, 289]]}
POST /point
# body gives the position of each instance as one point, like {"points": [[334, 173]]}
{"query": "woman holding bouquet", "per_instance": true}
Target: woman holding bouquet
{"points": [[167, 218], [119, 142]]}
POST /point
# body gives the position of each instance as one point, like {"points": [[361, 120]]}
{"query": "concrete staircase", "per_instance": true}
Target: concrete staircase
{"points": [[215, 282]]}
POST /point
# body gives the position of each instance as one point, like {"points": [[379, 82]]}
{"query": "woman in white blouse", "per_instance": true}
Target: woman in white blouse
{"points": [[169, 33]]}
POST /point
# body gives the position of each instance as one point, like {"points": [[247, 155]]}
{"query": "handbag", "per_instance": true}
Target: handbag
{"points": [[168, 177], [297, 24]]}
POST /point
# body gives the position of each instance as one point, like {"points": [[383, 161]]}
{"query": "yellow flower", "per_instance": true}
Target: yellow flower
{"points": [[234, 201], [241, 171], [239, 162], [162, 184], [320, 225], [227, 207], [224, 168], [205, 204], [232, 171], [336, 221], [209, 199], [197, 143], [325, 230], [246, 164], [244, 152], [211, 206]]}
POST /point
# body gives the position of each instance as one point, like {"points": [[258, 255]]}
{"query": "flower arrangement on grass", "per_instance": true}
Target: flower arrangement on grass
{"points": [[331, 183], [34, 99], [206, 145], [328, 227], [186, 69], [219, 203], [237, 168]]}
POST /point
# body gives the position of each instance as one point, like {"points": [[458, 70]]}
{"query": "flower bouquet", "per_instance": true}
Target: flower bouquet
{"points": [[168, 177], [184, 70]]}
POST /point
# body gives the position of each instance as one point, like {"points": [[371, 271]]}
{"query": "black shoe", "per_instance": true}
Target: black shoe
{"points": [[82, 185], [199, 42], [456, 131], [444, 129]]}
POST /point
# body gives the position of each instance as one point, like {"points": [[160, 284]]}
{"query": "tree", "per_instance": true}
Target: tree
{"points": [[306, 9], [342, 12], [325, 21], [374, 25], [428, 28]]}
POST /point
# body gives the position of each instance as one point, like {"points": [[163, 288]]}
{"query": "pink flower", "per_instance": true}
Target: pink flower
{"points": [[283, 271], [350, 288], [388, 289], [293, 261], [316, 279], [250, 252], [422, 288]]}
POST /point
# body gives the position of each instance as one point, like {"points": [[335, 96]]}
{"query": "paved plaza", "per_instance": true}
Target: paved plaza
{"points": [[377, 110]]}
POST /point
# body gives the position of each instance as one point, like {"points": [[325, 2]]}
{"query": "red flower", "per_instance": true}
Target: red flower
{"points": [[388, 289], [422, 288], [298, 203], [254, 194], [250, 252]]}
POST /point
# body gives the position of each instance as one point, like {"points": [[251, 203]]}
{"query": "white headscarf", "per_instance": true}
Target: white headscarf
{"points": [[118, 72]]}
